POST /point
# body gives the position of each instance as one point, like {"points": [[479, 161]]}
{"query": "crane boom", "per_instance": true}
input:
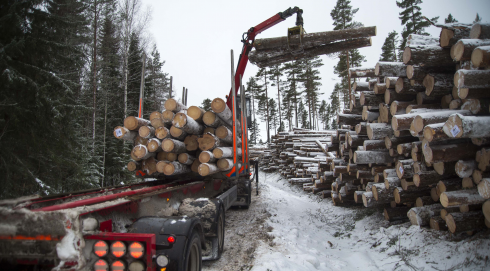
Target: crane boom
{"points": [[249, 37]]}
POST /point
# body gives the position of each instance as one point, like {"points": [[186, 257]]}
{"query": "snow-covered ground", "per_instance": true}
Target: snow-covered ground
{"points": [[288, 229]]}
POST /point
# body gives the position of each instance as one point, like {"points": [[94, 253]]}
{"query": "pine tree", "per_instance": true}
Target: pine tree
{"points": [[343, 16], [388, 50], [311, 82], [477, 19], [261, 77], [292, 93], [254, 89], [156, 84], [334, 99], [254, 132], [273, 117], [206, 104], [412, 20], [450, 19], [275, 74]]}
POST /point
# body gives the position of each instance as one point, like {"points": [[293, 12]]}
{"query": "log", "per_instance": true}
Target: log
{"points": [[473, 93], [464, 48], [476, 106], [459, 197], [196, 113], [134, 123], [209, 141], [409, 196], [318, 38], [420, 216], [186, 159], [390, 69], [222, 111], [177, 133], [187, 124], [225, 152], [378, 157], [125, 134], [361, 72], [427, 56], [391, 95], [451, 33], [398, 107], [393, 142], [433, 117], [345, 119], [149, 166], [174, 105], [162, 133], [154, 145], [404, 86], [402, 122], [206, 157], [413, 107], [471, 79], [428, 178], [461, 222], [360, 86], [461, 126], [146, 132], [175, 168], [191, 143], [434, 132], [395, 214], [141, 152], [465, 169], [262, 59], [423, 201], [133, 166], [484, 188], [379, 88], [206, 169], [361, 128], [168, 116], [445, 168], [173, 146], [480, 57], [378, 130], [448, 153], [156, 120], [437, 84], [480, 31], [438, 224], [415, 72], [225, 135], [486, 209], [212, 120]]}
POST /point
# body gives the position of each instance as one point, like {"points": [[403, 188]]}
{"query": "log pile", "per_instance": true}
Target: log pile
{"points": [[181, 141], [416, 138]]}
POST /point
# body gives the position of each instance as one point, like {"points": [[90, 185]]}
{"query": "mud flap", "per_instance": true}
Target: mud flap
{"points": [[244, 197]]}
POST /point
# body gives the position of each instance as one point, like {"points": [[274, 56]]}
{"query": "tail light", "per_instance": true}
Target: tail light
{"points": [[101, 248], [101, 265], [118, 249], [118, 266], [171, 239], [136, 250]]}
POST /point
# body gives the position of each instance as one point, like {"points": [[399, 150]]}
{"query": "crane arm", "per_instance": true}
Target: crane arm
{"points": [[249, 37]]}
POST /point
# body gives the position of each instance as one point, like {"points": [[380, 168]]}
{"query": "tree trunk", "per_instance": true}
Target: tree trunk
{"points": [[390, 69], [472, 79], [420, 216], [196, 113], [378, 131], [187, 124], [459, 197], [427, 56], [378, 157], [125, 134], [177, 133], [175, 168], [464, 48], [174, 146], [433, 116], [134, 123], [460, 222], [480, 57], [154, 145], [174, 105]]}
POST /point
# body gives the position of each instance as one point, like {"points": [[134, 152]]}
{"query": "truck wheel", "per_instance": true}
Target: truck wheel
{"points": [[193, 254], [221, 233]]}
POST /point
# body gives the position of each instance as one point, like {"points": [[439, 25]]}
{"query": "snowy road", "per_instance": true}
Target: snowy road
{"points": [[288, 229]]}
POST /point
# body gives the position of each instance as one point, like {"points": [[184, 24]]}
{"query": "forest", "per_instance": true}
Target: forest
{"points": [[71, 71]]}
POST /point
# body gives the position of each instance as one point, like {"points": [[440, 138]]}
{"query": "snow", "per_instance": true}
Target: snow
{"points": [[43, 185], [312, 234]]}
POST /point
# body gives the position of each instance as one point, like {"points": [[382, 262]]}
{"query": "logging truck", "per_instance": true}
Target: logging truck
{"points": [[170, 220]]}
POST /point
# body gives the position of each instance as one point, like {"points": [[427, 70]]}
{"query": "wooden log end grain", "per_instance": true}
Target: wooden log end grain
{"points": [[168, 116], [205, 156], [173, 105], [177, 133], [133, 166], [180, 120], [133, 123], [218, 105], [161, 166], [195, 112], [146, 131], [460, 222], [162, 132]]}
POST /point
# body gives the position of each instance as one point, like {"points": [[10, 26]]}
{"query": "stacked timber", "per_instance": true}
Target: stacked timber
{"points": [[182, 140], [415, 140]]}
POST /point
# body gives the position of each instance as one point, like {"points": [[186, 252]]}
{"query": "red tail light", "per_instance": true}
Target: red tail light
{"points": [[171, 239], [101, 265], [136, 250], [101, 248], [118, 249], [118, 266]]}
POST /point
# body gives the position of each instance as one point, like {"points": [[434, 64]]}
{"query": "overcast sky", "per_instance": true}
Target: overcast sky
{"points": [[195, 37]]}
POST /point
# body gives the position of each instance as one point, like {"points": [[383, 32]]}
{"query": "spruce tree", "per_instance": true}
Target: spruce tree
{"points": [[450, 19], [275, 74], [206, 104], [311, 82], [412, 20], [254, 132], [134, 75], [388, 50], [254, 89], [477, 19]]}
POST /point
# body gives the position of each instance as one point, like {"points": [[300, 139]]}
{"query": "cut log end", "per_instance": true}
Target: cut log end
{"points": [[180, 120], [407, 55], [218, 105], [218, 153], [167, 145], [195, 112]]}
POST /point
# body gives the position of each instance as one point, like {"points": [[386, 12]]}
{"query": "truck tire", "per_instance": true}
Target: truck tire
{"points": [[221, 233], [193, 254]]}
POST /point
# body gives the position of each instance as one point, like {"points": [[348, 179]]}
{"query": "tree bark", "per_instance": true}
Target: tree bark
{"points": [[390, 69], [174, 105], [134, 123], [460, 126], [174, 146], [459, 197], [427, 56], [177, 133], [460, 222], [378, 157], [187, 124], [420, 216], [471, 79]]}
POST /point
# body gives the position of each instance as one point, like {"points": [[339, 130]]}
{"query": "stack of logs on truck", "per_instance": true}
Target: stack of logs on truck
{"points": [[181, 141], [417, 141]]}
